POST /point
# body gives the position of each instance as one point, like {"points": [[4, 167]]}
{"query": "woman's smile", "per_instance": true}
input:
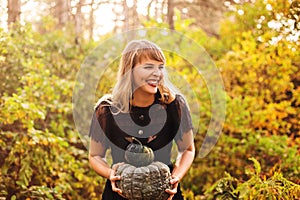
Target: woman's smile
{"points": [[152, 83]]}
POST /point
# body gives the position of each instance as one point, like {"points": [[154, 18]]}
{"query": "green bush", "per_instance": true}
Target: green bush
{"points": [[42, 156], [257, 187], [231, 155]]}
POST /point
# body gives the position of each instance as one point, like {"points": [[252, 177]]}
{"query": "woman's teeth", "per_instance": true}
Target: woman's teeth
{"points": [[153, 83]]}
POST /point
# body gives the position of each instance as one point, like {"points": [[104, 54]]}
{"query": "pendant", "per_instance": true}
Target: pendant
{"points": [[140, 132]]}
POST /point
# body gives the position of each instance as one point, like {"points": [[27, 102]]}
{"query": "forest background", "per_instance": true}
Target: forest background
{"points": [[254, 44]]}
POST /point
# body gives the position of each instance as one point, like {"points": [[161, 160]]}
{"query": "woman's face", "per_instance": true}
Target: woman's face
{"points": [[147, 75]]}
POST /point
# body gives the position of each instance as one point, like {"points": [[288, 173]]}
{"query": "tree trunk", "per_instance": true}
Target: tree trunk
{"points": [[126, 16], [134, 15], [148, 9], [78, 19], [170, 14], [14, 11], [91, 19], [62, 9]]}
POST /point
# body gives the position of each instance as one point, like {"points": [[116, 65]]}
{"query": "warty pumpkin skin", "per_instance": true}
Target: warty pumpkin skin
{"points": [[144, 183]]}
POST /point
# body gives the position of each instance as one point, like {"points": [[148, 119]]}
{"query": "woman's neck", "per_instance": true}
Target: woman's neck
{"points": [[142, 99]]}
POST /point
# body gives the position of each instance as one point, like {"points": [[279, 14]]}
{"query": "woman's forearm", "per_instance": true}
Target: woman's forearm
{"points": [[184, 162], [100, 166]]}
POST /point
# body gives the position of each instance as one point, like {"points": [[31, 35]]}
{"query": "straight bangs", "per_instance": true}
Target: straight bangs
{"points": [[149, 53]]}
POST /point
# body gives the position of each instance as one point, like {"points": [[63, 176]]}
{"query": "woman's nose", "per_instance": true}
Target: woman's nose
{"points": [[157, 71]]}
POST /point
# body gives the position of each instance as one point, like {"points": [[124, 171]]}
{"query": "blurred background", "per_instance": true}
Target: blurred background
{"points": [[94, 18], [255, 45]]}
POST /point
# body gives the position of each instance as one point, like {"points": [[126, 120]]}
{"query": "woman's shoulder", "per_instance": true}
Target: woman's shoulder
{"points": [[179, 99], [103, 105], [177, 104]]}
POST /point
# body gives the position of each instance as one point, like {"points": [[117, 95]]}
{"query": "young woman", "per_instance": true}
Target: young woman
{"points": [[141, 106]]}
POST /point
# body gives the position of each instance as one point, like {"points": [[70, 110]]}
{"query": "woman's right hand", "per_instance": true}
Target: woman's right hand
{"points": [[113, 178]]}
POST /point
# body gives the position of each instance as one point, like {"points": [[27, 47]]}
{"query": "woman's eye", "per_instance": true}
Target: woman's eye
{"points": [[148, 66], [160, 67]]}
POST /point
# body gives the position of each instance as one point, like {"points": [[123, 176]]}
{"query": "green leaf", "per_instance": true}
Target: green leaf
{"points": [[256, 166]]}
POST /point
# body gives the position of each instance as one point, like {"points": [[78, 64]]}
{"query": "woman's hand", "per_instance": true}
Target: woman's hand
{"points": [[113, 178], [174, 182], [184, 160]]}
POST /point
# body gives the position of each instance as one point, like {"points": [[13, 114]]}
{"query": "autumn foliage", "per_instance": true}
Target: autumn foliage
{"points": [[256, 157]]}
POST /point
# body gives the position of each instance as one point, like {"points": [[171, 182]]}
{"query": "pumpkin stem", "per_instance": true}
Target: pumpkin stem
{"points": [[133, 138]]}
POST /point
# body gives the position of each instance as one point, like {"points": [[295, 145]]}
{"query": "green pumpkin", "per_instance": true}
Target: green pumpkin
{"points": [[138, 154]]}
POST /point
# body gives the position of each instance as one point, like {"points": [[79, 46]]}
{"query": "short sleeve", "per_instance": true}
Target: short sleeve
{"points": [[185, 123], [100, 125]]}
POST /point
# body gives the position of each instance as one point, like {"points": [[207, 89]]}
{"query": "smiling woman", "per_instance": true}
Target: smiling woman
{"points": [[142, 107], [147, 76]]}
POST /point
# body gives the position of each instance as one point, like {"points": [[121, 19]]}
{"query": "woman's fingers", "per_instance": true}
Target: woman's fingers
{"points": [[113, 184], [113, 178], [174, 182], [172, 191], [114, 187]]}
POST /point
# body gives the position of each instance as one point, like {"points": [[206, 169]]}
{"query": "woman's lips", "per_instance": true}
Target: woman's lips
{"points": [[152, 83]]}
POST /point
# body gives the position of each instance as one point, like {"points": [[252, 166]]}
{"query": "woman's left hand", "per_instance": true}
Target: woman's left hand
{"points": [[174, 182]]}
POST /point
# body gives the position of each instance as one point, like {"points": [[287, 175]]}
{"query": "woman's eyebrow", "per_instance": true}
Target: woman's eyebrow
{"points": [[149, 64], [154, 64]]}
